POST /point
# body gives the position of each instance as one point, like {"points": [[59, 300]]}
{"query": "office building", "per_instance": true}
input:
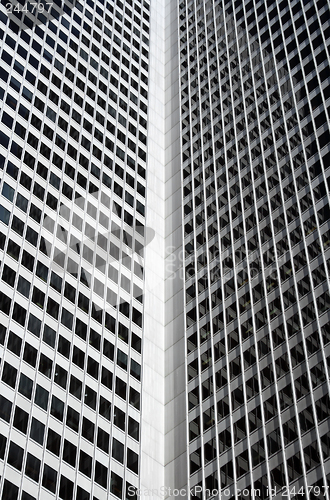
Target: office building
{"points": [[74, 90], [164, 221], [255, 164]]}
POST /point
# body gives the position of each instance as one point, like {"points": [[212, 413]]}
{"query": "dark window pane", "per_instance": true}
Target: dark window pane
{"points": [[82, 494], [66, 488], [49, 478], [25, 386], [64, 346], [49, 336], [117, 450], [21, 419], [3, 442], [57, 408], [45, 365], [37, 431], [105, 408], [72, 419], [34, 325], [32, 468], [132, 461], [75, 387], [30, 355], [120, 388], [14, 343], [41, 397], [134, 398], [85, 464], [15, 456], [53, 442], [9, 374], [10, 490], [119, 418], [101, 474], [103, 439], [133, 428], [88, 430], [116, 485], [90, 397], [78, 357], [69, 453], [60, 376]]}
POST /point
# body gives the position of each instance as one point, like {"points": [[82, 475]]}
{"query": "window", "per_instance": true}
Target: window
{"points": [[88, 430], [45, 365], [85, 464], [63, 346], [67, 318], [53, 442], [117, 450], [21, 419], [133, 428], [32, 468], [134, 398], [69, 453], [37, 431], [132, 461], [66, 488], [25, 386], [14, 343], [75, 387], [49, 336], [34, 324], [60, 376], [49, 478], [30, 354], [120, 388], [57, 408], [78, 357], [8, 275], [72, 419], [5, 408], [3, 442], [9, 375], [105, 408], [52, 308], [41, 397], [90, 397], [103, 440], [10, 490], [8, 192], [101, 474], [116, 485], [135, 369], [15, 456], [106, 378], [119, 418]]}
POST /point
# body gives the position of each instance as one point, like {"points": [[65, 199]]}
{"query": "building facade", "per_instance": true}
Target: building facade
{"points": [[254, 96], [74, 90], [164, 249]]}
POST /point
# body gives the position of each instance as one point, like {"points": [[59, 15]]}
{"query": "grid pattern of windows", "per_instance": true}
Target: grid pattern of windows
{"points": [[74, 94], [255, 94]]}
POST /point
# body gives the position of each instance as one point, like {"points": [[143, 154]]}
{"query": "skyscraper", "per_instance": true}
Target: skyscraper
{"points": [[164, 235], [74, 90], [255, 164]]}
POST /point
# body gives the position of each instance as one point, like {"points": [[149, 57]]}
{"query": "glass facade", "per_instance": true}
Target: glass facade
{"points": [[74, 94], [76, 111], [255, 89]]}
